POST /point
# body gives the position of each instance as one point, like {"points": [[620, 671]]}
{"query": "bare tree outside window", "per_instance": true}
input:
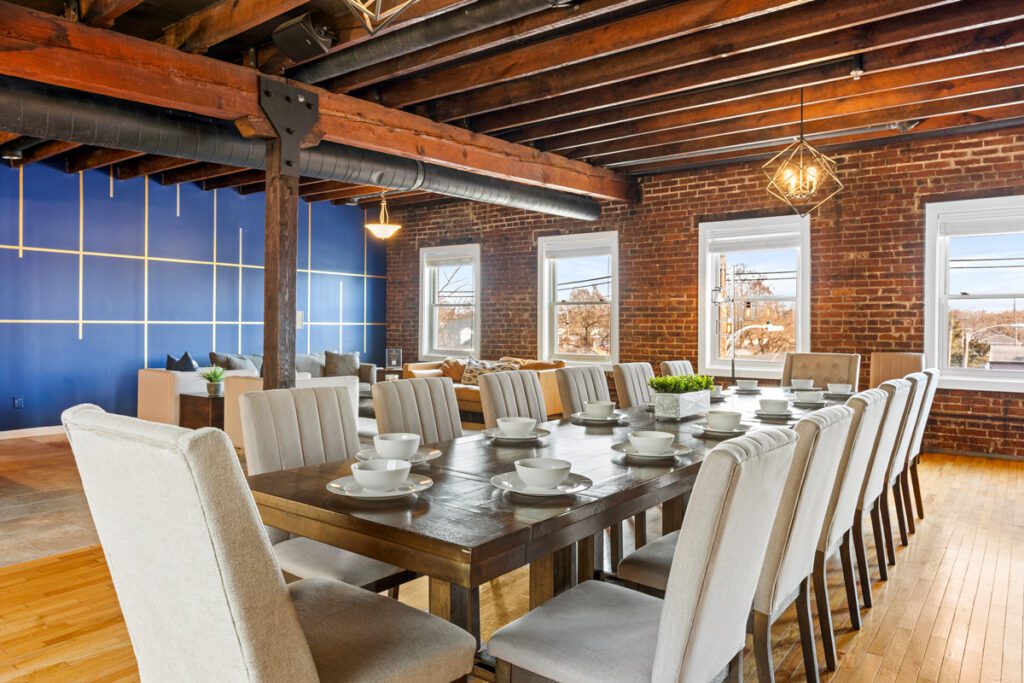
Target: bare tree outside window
{"points": [[583, 306], [454, 304], [764, 283]]}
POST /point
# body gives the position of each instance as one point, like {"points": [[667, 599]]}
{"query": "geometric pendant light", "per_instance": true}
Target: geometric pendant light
{"points": [[383, 228], [373, 15]]}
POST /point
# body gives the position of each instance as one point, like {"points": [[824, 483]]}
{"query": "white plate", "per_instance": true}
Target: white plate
{"points": [[791, 389], [422, 454], [511, 482], [613, 419], [496, 434], [747, 391], [724, 434], [718, 399], [774, 416], [810, 404], [670, 452], [347, 486], [838, 397]]}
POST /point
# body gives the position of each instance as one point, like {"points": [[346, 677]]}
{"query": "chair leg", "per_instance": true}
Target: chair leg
{"points": [[803, 615], [640, 529], [918, 498], [901, 513], [862, 557], [890, 546], [616, 545], [763, 648], [852, 600], [735, 674], [502, 671], [904, 483], [828, 637], [393, 592]]}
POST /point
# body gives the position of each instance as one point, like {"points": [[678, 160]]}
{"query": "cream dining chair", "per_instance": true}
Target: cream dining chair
{"points": [[675, 368], [579, 384], [512, 393], [289, 428], [886, 365], [915, 446], [823, 368], [196, 580], [602, 632], [897, 478], [631, 386], [426, 406]]}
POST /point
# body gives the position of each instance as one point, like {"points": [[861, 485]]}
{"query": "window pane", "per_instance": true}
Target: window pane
{"points": [[454, 284], [986, 264], [991, 331], [583, 278], [769, 272], [766, 333], [453, 327], [584, 329]]}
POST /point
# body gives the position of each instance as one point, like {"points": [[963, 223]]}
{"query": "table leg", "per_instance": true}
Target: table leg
{"points": [[672, 514], [551, 575], [457, 604], [585, 560]]}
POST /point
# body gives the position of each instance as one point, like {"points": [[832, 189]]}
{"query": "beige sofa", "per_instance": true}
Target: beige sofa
{"points": [[159, 392]]}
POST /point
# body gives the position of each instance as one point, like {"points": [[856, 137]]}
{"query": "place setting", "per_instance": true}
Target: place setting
{"points": [[839, 392], [774, 410], [718, 393], [516, 431], [723, 424], [542, 478], [380, 479], [599, 413], [801, 385], [747, 387], [809, 399], [398, 446], [650, 445]]}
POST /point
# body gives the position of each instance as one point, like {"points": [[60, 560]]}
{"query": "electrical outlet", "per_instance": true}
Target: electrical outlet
{"points": [[17, 402]]}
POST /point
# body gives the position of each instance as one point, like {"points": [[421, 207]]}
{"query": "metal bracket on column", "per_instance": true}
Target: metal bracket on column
{"points": [[292, 112]]}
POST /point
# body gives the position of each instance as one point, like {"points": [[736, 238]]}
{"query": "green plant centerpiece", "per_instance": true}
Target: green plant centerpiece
{"points": [[214, 377], [678, 397]]}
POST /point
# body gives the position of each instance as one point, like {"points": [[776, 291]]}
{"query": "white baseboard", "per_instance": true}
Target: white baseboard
{"points": [[30, 432]]}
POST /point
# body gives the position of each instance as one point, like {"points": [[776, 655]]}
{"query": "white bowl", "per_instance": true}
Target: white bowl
{"points": [[398, 445], [774, 405], [545, 473], [651, 441], [598, 408], [516, 426], [808, 396], [381, 474], [802, 383], [724, 420], [746, 383], [717, 390], [839, 388]]}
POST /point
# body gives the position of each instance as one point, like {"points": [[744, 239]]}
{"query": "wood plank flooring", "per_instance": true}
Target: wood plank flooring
{"points": [[953, 609]]}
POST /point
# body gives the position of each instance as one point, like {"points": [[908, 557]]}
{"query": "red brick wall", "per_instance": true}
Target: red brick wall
{"points": [[867, 260]]}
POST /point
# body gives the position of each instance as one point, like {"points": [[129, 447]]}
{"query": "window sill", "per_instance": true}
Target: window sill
{"points": [[454, 354], [1006, 385]]}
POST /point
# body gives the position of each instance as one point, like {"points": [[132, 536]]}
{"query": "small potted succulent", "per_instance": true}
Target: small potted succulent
{"points": [[681, 396], [214, 377]]}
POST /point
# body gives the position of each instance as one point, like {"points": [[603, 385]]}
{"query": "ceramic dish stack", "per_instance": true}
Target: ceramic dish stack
{"points": [[809, 399], [398, 446], [839, 392], [651, 445], [542, 478], [747, 386], [380, 479], [774, 410], [599, 413], [516, 431], [723, 424]]}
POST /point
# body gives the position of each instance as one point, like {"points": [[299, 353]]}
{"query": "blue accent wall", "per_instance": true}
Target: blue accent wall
{"points": [[99, 278]]}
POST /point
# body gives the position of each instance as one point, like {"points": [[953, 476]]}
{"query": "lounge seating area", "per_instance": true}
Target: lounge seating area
{"points": [[506, 341]]}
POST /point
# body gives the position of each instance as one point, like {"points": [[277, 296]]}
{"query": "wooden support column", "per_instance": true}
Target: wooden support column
{"points": [[279, 268]]}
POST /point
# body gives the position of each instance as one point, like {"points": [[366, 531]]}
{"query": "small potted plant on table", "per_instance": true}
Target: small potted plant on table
{"points": [[214, 377], [681, 396]]}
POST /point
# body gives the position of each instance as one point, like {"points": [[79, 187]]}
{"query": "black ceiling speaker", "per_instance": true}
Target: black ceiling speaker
{"points": [[301, 39]]}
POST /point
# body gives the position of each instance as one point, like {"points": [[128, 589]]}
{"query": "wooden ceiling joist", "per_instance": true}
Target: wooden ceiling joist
{"points": [[234, 180], [222, 20], [97, 157], [45, 150], [347, 193], [190, 174], [38, 47], [6, 137], [147, 165], [104, 12]]}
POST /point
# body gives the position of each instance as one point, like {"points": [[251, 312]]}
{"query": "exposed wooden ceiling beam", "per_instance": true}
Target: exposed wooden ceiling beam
{"points": [[222, 20], [343, 193], [190, 174], [44, 150], [234, 180], [148, 165], [865, 39], [6, 137], [39, 47], [104, 12], [555, 19], [97, 157]]}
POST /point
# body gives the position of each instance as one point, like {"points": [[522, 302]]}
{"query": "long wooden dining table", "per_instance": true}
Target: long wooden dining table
{"points": [[463, 531]]}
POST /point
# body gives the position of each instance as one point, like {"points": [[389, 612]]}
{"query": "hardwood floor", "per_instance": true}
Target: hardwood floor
{"points": [[953, 609]]}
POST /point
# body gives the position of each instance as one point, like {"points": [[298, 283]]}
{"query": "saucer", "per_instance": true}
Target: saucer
{"points": [[670, 452], [422, 454], [810, 404], [495, 434], [347, 486], [723, 434], [511, 482], [718, 399], [791, 389], [613, 419], [838, 397], [747, 392]]}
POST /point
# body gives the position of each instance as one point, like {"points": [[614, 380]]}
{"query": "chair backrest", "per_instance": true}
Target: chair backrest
{"points": [[897, 391], [195, 577], [514, 393], [426, 406], [675, 368], [918, 384], [823, 368], [868, 408], [886, 365], [579, 384], [925, 412], [718, 557], [631, 386], [797, 527]]}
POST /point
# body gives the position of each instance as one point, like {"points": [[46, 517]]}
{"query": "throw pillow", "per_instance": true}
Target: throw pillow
{"points": [[542, 365], [183, 364], [341, 364], [512, 359], [475, 368], [313, 363], [231, 361], [454, 368]]}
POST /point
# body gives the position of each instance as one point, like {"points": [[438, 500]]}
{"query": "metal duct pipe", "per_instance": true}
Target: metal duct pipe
{"points": [[474, 17], [57, 114]]}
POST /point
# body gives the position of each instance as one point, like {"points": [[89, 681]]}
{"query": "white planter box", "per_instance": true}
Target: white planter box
{"points": [[679, 406]]}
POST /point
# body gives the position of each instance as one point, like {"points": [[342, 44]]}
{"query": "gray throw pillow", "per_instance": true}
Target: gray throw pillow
{"points": [[341, 364], [313, 363], [231, 361]]}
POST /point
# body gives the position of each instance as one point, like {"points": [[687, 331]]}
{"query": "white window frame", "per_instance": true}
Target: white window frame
{"points": [[943, 220], [549, 248], [749, 230], [429, 258]]}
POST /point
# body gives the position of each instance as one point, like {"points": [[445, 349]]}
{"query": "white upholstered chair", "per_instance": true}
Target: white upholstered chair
{"points": [[601, 632], [915, 446], [886, 365], [675, 368], [426, 406], [201, 594], [288, 428], [897, 477], [823, 368], [514, 393], [631, 386], [836, 534], [579, 384]]}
